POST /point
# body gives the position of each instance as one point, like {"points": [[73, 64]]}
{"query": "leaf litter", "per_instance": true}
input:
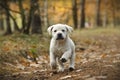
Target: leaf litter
{"points": [[98, 58]]}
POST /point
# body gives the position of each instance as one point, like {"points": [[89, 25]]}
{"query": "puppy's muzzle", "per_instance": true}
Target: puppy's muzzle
{"points": [[59, 36]]}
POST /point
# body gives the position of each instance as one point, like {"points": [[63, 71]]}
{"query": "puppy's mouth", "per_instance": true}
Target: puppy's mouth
{"points": [[59, 37]]}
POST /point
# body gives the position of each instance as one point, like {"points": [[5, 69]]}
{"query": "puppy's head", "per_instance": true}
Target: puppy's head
{"points": [[59, 31]]}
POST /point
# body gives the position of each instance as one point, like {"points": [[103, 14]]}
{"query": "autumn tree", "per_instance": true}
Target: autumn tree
{"points": [[36, 18], [30, 16], [97, 20], [9, 31], [46, 21], [105, 17], [36, 24], [22, 13], [82, 7], [5, 5], [115, 10], [26, 22], [74, 11], [1, 19]]}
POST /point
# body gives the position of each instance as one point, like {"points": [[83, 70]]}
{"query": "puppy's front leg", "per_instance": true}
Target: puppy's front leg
{"points": [[61, 66], [53, 61], [66, 56]]}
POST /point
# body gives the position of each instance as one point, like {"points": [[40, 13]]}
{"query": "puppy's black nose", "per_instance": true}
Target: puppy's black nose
{"points": [[59, 35]]}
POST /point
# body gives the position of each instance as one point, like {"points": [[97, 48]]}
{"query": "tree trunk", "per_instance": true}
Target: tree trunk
{"points": [[30, 17], [113, 13], [22, 14], [3, 5], [82, 21], [98, 12], [105, 15], [34, 8], [36, 23], [37, 26], [46, 21], [8, 31], [1, 22], [74, 11], [15, 23]]}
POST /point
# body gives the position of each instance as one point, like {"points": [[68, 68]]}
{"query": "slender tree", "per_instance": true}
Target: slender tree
{"points": [[98, 12], [7, 12], [22, 13], [74, 11], [1, 19], [5, 6], [30, 17], [82, 21], [113, 12], [105, 14], [36, 26], [46, 21]]}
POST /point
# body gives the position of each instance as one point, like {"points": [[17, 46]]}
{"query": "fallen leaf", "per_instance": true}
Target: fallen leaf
{"points": [[92, 78], [65, 77], [101, 77]]}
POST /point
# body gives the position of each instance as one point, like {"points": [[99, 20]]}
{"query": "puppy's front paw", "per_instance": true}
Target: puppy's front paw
{"points": [[61, 70], [71, 68], [63, 60]]}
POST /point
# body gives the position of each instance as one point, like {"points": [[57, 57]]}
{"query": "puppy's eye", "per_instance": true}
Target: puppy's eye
{"points": [[63, 30], [55, 30]]}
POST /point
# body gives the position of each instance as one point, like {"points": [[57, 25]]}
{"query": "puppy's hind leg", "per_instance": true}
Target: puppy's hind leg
{"points": [[53, 63]]}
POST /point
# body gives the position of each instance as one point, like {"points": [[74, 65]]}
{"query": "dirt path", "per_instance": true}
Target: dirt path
{"points": [[97, 58], [96, 67]]}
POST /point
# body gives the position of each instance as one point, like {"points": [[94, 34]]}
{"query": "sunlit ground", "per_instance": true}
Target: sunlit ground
{"points": [[93, 46]]}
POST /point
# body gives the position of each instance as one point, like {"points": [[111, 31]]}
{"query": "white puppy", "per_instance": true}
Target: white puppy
{"points": [[62, 47]]}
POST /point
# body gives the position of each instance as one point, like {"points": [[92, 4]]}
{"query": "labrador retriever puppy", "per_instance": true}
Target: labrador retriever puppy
{"points": [[62, 48]]}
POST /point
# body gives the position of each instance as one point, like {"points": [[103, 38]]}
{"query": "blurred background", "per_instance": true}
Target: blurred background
{"points": [[24, 41], [34, 16]]}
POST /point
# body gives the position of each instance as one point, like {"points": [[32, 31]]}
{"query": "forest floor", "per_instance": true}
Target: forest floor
{"points": [[97, 56]]}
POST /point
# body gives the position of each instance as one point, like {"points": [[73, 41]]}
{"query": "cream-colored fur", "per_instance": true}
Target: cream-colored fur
{"points": [[62, 47]]}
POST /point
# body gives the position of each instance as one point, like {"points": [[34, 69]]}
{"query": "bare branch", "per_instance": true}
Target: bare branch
{"points": [[9, 9]]}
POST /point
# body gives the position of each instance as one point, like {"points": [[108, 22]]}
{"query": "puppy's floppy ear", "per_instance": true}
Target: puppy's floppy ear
{"points": [[69, 29], [50, 29]]}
